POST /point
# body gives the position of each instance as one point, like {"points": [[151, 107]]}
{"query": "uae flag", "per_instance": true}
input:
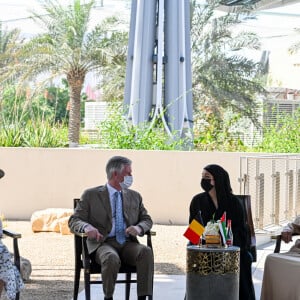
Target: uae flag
{"points": [[222, 226], [195, 229]]}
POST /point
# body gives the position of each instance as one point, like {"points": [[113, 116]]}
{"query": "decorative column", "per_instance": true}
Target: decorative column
{"points": [[158, 75]]}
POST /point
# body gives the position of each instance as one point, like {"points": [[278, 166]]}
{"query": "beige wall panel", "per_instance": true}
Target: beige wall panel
{"points": [[40, 178]]}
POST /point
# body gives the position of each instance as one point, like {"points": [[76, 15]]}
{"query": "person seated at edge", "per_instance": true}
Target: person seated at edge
{"points": [[216, 200], [97, 214], [290, 229], [10, 277]]}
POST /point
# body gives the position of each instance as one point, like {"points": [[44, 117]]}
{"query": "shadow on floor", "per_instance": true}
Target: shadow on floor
{"points": [[168, 269], [47, 289]]}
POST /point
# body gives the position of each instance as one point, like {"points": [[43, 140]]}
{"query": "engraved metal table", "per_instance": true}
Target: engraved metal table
{"points": [[212, 273]]}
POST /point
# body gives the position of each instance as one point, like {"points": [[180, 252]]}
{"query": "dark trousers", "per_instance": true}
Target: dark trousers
{"points": [[247, 291], [111, 253]]}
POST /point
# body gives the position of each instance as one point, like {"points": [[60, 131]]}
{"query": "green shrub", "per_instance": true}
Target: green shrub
{"points": [[282, 137], [214, 134], [116, 132], [37, 134], [27, 122]]}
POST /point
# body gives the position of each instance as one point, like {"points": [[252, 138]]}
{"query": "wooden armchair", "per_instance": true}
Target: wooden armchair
{"points": [[15, 236], [84, 262]]}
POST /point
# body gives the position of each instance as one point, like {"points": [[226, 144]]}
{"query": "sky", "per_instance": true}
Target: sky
{"points": [[15, 13], [276, 29]]}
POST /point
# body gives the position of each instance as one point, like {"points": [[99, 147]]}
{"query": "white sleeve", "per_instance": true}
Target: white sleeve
{"points": [[293, 227], [288, 227]]}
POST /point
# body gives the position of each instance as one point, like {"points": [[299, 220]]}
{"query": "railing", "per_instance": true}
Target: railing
{"points": [[274, 185]]}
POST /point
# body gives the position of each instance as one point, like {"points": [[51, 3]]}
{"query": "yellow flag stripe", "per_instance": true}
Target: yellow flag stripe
{"points": [[197, 227]]}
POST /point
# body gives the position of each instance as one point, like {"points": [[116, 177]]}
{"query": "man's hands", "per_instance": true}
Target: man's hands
{"points": [[286, 236], [134, 230], [93, 233]]}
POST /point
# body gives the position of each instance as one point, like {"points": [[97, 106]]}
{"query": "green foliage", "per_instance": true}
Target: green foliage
{"points": [[29, 122], [116, 132], [57, 99], [282, 137], [113, 74], [67, 48], [214, 134], [10, 42], [51, 104], [33, 134], [19, 106]]}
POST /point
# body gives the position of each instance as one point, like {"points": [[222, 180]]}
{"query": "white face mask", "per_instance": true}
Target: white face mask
{"points": [[127, 182]]}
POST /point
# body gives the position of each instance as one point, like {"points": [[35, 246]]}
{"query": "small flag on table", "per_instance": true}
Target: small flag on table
{"points": [[195, 229], [223, 227]]}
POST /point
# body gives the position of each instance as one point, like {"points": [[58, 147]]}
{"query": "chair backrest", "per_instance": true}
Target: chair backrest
{"points": [[77, 242], [246, 203]]}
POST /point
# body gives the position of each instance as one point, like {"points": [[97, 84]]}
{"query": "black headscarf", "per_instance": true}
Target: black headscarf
{"points": [[222, 181]]}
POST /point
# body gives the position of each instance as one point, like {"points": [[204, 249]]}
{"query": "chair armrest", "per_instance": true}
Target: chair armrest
{"points": [[15, 236], [80, 234], [278, 239], [83, 234], [81, 251], [12, 234], [275, 236], [149, 234]]}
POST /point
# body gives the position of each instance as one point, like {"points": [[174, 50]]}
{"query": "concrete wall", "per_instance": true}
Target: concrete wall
{"points": [[40, 178]]}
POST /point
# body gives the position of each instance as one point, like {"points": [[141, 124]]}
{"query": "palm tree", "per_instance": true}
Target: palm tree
{"points": [[65, 49], [9, 43], [9, 40], [113, 74], [223, 77]]}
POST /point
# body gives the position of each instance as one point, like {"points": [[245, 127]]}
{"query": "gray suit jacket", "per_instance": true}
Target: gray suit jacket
{"points": [[94, 208]]}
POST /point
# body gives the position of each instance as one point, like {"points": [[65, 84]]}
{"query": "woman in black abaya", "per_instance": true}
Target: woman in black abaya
{"points": [[216, 199]]}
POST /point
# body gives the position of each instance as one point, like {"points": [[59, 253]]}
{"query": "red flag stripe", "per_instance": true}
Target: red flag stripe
{"points": [[192, 236]]}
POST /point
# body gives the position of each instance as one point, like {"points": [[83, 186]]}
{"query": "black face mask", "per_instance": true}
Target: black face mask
{"points": [[206, 185]]}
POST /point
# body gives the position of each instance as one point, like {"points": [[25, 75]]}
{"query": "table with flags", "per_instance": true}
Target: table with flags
{"points": [[211, 272]]}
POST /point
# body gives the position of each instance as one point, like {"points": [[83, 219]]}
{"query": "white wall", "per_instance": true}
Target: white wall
{"points": [[40, 178]]}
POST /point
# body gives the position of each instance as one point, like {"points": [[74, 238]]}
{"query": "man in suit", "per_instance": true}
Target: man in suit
{"points": [[113, 216]]}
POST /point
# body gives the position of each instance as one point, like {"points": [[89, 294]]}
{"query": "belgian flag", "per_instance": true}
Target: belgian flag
{"points": [[195, 229]]}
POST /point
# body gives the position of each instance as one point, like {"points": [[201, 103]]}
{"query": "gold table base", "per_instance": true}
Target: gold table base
{"points": [[206, 261]]}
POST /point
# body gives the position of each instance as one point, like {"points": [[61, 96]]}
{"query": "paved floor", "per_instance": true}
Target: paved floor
{"points": [[173, 286]]}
